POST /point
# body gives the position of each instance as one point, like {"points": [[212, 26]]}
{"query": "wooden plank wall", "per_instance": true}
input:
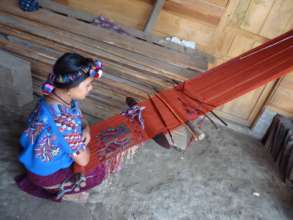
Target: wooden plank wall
{"points": [[245, 25], [282, 96], [194, 20]]}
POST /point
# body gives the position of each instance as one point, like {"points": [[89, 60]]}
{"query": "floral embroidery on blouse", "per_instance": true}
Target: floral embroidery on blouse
{"points": [[35, 129], [36, 126], [46, 149]]}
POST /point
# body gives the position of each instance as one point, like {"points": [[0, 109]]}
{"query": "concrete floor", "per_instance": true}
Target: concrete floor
{"points": [[214, 179]]}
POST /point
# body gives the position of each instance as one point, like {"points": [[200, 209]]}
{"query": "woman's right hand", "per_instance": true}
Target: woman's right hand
{"points": [[83, 158]]}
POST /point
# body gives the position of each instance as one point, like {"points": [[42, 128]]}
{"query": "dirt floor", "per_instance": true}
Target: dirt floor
{"points": [[226, 176]]}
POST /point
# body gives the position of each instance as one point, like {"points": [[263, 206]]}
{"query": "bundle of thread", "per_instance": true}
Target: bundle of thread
{"points": [[28, 5], [104, 22]]}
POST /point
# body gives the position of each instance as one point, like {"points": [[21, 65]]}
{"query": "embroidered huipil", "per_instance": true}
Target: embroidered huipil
{"points": [[53, 136]]}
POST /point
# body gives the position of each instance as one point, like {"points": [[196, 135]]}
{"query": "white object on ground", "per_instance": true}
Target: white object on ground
{"points": [[256, 194]]}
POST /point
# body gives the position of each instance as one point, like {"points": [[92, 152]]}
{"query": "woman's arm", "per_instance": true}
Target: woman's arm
{"points": [[86, 133], [83, 157]]}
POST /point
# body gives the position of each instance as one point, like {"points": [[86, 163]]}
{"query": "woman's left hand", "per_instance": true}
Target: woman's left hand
{"points": [[86, 135]]}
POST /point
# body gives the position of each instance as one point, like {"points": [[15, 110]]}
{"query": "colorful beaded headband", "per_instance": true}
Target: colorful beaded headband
{"points": [[93, 70]]}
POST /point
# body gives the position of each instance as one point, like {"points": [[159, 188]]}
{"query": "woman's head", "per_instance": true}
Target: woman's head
{"points": [[74, 73]]}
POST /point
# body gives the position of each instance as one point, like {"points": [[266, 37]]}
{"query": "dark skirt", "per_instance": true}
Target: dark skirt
{"points": [[36, 185]]}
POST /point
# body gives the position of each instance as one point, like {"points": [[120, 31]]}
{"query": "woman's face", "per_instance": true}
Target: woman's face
{"points": [[82, 90]]}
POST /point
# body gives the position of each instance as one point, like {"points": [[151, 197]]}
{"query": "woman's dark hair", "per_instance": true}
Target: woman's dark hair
{"points": [[69, 64]]}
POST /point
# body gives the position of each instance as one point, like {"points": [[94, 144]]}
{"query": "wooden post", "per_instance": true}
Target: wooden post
{"points": [[153, 16]]}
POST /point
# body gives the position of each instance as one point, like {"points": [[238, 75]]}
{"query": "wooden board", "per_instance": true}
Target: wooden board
{"points": [[87, 45], [135, 13], [256, 15], [281, 99], [87, 17], [107, 37], [172, 23], [279, 20], [202, 10]]}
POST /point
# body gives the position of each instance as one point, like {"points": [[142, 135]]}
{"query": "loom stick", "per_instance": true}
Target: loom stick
{"points": [[160, 138], [192, 132], [197, 100], [212, 112]]}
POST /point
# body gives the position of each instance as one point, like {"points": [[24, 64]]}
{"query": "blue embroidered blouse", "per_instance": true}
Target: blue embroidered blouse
{"points": [[53, 136]]}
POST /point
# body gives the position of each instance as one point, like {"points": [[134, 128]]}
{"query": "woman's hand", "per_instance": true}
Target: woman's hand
{"points": [[83, 158], [86, 135]]}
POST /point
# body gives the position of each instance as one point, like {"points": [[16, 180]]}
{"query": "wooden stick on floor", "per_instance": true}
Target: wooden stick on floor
{"points": [[193, 133]]}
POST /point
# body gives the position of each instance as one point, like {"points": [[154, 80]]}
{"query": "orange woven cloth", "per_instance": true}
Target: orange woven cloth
{"points": [[115, 135]]}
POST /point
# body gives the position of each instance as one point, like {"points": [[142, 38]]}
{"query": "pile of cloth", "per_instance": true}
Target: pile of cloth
{"points": [[279, 142]]}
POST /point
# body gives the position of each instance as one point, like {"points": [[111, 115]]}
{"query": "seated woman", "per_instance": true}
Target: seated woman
{"points": [[57, 134]]}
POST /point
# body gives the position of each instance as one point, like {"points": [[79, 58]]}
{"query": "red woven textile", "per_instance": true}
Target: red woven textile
{"points": [[217, 86]]}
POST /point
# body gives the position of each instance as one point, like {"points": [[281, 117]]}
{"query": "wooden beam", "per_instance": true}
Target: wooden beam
{"points": [[154, 15], [62, 9], [85, 16], [200, 10]]}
